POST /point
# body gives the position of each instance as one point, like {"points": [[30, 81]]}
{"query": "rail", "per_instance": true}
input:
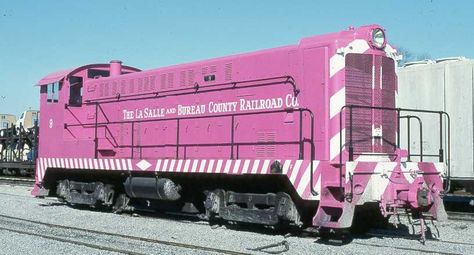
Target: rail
{"points": [[420, 124], [286, 79], [441, 151]]}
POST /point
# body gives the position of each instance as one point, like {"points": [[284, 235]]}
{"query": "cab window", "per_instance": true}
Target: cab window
{"points": [[75, 91], [53, 92]]}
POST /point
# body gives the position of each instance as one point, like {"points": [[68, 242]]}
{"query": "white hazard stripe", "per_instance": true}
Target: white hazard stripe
{"points": [[304, 182], [255, 166], [186, 165], [296, 170], [195, 165]]}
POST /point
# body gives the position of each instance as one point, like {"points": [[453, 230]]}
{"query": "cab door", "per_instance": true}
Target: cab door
{"points": [[51, 119]]}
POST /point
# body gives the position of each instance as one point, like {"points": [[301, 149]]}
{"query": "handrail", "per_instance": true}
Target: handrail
{"points": [[409, 117], [441, 152], [195, 89], [301, 140]]}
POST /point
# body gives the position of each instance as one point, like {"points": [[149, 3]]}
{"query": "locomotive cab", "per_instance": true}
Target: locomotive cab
{"points": [[62, 104]]}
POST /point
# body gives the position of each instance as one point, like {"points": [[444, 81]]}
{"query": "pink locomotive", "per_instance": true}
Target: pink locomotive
{"points": [[302, 134]]}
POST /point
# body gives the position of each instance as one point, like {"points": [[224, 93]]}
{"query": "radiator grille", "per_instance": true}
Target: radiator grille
{"points": [[371, 81], [359, 92], [389, 119]]}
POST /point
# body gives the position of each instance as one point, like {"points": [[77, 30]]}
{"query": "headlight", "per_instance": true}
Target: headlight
{"points": [[378, 38]]}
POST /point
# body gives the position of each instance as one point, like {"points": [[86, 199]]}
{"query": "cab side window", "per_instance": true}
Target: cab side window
{"points": [[52, 91], [75, 91]]}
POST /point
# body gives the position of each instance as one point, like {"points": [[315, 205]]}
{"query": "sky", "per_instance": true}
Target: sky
{"points": [[40, 37]]}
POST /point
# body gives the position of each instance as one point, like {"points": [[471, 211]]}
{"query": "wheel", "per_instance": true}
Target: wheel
{"points": [[121, 203]]}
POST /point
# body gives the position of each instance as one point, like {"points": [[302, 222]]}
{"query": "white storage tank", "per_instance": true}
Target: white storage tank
{"points": [[444, 85]]}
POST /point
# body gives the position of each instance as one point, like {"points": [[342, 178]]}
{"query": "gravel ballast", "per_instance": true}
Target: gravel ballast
{"points": [[456, 237]]}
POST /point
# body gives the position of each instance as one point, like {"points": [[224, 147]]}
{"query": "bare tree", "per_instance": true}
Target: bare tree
{"points": [[409, 56]]}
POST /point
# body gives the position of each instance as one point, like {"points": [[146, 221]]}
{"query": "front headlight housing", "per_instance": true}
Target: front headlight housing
{"points": [[378, 38]]}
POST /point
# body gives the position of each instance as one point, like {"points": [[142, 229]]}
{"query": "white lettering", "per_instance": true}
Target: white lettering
{"points": [[222, 107], [214, 107], [262, 104], [291, 101], [191, 109], [127, 115]]}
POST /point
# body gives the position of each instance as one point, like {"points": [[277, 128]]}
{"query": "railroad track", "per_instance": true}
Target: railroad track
{"points": [[461, 216], [91, 235], [20, 181], [101, 240], [408, 249]]}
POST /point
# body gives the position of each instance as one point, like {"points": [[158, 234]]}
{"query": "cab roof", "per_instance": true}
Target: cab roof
{"points": [[59, 75]]}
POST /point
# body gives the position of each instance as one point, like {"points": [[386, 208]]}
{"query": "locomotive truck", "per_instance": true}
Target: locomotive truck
{"points": [[302, 134]]}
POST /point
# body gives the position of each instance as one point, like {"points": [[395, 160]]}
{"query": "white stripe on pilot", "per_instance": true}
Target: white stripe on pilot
{"points": [[227, 166], [195, 165], [286, 166], [304, 182], [165, 165], [203, 165], [112, 164], [295, 171], [219, 166], [117, 164], [178, 167], [171, 167], [264, 168], [186, 165], [246, 166], [158, 165], [236, 166], [256, 163]]}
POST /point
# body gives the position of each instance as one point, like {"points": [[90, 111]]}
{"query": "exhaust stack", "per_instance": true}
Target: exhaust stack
{"points": [[115, 68]]}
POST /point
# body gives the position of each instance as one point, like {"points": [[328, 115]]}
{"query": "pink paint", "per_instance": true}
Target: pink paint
{"points": [[221, 115]]}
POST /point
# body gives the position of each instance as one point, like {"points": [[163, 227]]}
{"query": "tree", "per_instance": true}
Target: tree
{"points": [[409, 56]]}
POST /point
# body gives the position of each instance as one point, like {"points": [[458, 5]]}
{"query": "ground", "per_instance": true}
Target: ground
{"points": [[86, 232]]}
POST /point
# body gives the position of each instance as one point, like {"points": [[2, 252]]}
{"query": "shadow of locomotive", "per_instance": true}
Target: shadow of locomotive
{"points": [[367, 225], [50, 204]]}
